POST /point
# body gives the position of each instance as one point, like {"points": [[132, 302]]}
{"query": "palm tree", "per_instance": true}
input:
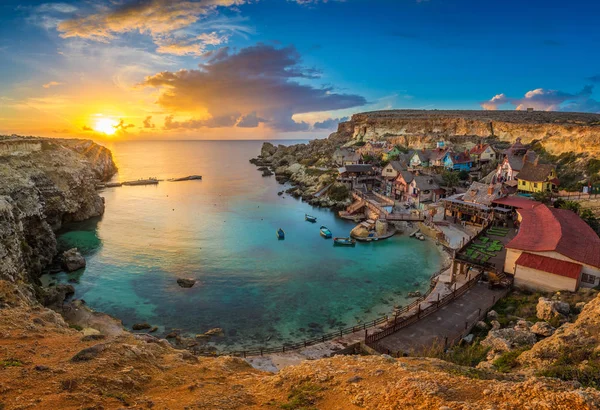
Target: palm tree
{"points": [[571, 206]]}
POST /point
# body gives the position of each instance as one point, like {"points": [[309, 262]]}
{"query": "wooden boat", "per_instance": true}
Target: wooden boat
{"points": [[344, 242], [280, 234], [325, 232], [310, 218]]}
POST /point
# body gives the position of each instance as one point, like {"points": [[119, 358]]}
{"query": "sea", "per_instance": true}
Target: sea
{"points": [[221, 231]]}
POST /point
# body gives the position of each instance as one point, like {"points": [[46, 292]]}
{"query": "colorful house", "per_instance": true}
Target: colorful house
{"points": [[423, 189], [391, 154], [554, 250], [345, 156], [374, 149], [474, 206], [389, 173], [514, 158], [438, 155], [420, 159], [536, 177], [458, 161], [401, 184], [483, 153]]}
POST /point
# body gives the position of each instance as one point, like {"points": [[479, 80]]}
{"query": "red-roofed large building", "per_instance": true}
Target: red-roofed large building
{"points": [[554, 250]]}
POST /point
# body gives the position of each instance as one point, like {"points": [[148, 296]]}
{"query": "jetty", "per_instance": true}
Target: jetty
{"points": [[149, 181], [380, 206], [188, 178]]}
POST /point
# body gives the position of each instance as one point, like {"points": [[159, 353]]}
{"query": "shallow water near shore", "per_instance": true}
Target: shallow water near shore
{"points": [[221, 232]]}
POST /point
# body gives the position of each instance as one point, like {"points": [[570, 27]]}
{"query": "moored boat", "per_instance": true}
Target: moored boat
{"points": [[280, 234], [310, 218], [325, 232], [344, 242]]}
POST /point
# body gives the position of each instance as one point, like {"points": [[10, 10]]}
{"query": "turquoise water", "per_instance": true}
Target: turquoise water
{"points": [[221, 231]]}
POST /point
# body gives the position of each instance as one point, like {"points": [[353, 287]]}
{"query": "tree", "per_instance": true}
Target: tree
{"points": [[588, 216], [571, 206], [463, 175], [543, 197], [450, 178]]}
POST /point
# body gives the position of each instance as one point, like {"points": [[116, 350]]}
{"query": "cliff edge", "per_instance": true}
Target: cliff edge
{"points": [[44, 184], [558, 132]]}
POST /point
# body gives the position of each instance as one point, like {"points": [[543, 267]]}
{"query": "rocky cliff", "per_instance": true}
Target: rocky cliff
{"points": [[558, 131], [39, 192]]}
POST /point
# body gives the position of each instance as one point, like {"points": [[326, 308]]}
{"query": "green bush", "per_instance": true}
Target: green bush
{"points": [[338, 192], [303, 397], [508, 361]]}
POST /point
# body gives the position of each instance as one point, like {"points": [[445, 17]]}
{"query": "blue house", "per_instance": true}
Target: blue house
{"points": [[460, 161]]}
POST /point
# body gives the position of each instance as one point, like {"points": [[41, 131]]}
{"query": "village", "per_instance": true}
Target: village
{"points": [[498, 212]]}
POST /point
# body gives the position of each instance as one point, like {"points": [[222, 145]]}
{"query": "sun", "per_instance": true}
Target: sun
{"points": [[106, 126]]}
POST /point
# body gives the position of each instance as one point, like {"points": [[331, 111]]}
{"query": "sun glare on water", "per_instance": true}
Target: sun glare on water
{"points": [[106, 125]]}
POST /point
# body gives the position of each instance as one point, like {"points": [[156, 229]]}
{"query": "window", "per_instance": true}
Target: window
{"points": [[535, 184], [586, 278], [522, 182]]}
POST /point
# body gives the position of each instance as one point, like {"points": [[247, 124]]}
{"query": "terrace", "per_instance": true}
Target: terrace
{"points": [[487, 250]]}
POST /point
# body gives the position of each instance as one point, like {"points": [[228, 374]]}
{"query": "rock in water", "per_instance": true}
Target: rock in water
{"points": [[72, 260], [141, 326], [186, 283], [217, 331]]}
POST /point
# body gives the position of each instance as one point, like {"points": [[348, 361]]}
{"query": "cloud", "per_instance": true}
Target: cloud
{"points": [[51, 84], [167, 22], [548, 100], [261, 80], [250, 121], [86, 128], [330, 123], [148, 123], [594, 78], [227, 120], [121, 126]]}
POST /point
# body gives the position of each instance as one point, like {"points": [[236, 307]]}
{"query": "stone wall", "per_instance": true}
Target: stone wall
{"points": [[19, 147]]}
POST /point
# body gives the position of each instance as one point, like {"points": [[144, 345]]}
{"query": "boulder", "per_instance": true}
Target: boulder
{"points": [[72, 260], [141, 326], [579, 306], [547, 309], [496, 325], [542, 329], [523, 325], [217, 331], [415, 294], [55, 296], [89, 353], [505, 340], [481, 325], [186, 283], [492, 315], [468, 339]]}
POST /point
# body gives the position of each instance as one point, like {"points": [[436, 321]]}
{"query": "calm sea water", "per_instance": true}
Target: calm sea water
{"points": [[221, 231]]}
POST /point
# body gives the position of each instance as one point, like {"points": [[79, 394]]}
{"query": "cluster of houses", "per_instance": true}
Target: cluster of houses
{"points": [[415, 177]]}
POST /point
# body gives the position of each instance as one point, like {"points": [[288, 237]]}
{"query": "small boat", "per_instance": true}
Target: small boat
{"points": [[310, 218], [280, 234], [325, 232], [344, 242]]}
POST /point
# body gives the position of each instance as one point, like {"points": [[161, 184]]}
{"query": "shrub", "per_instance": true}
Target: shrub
{"points": [[303, 397], [338, 192], [508, 361]]}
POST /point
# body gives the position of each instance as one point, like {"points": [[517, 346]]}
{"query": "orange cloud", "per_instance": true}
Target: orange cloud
{"points": [[51, 84]]}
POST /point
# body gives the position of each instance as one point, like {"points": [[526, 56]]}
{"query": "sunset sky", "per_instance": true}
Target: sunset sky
{"points": [[257, 69]]}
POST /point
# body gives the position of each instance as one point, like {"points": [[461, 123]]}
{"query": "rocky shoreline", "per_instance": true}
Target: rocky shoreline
{"points": [[308, 168]]}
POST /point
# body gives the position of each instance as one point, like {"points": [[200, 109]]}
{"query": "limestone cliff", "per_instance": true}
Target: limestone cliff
{"points": [[40, 190], [558, 131]]}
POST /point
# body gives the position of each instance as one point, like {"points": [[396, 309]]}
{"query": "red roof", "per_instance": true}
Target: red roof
{"points": [[550, 265], [518, 202], [479, 149], [546, 229]]}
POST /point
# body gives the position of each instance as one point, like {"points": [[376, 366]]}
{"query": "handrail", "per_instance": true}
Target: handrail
{"points": [[370, 339]]}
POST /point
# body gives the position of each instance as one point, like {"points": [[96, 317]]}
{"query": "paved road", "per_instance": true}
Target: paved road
{"points": [[449, 321]]}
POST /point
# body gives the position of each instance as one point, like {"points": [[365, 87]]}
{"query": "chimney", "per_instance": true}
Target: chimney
{"points": [[491, 189]]}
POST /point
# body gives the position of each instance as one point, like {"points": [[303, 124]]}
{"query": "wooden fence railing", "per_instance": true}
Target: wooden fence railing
{"points": [[402, 323]]}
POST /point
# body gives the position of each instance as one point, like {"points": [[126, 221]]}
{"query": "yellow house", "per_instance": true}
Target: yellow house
{"points": [[536, 177]]}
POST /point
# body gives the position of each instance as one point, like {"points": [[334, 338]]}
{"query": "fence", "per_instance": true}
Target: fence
{"points": [[287, 347], [573, 196], [397, 325], [482, 313]]}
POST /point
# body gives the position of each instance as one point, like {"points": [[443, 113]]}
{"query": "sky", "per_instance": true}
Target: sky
{"points": [[283, 69]]}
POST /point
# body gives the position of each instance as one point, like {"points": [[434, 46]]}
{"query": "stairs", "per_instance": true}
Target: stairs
{"points": [[356, 206]]}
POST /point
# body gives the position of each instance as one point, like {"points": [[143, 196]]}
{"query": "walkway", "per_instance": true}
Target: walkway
{"points": [[450, 321]]}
